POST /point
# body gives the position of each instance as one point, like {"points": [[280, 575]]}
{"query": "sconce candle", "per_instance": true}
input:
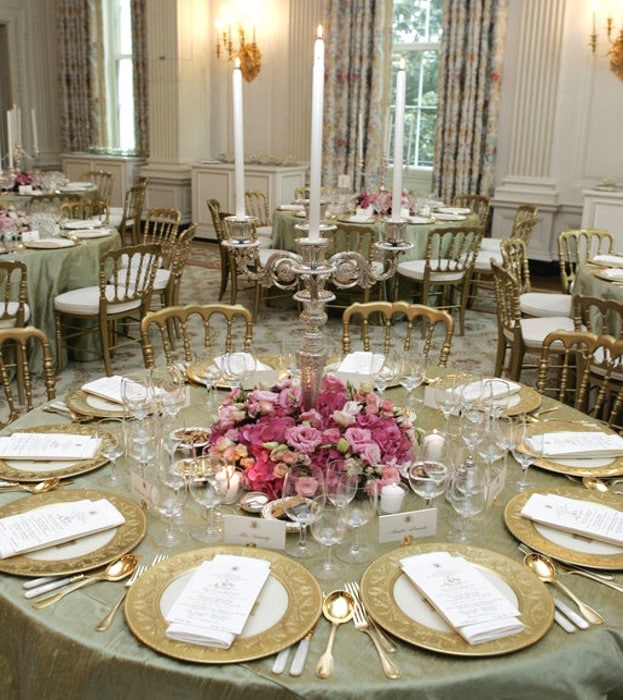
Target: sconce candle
{"points": [[238, 140], [9, 133], [398, 141], [315, 168], [35, 140]]}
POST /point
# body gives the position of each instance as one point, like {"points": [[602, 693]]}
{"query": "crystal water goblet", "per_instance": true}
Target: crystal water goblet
{"points": [[413, 372], [238, 367], [448, 399], [355, 515], [169, 390], [341, 483], [111, 431], [328, 530], [527, 450], [208, 485], [302, 487], [428, 479], [171, 497], [468, 496]]}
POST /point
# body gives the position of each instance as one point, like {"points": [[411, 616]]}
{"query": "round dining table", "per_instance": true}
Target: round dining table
{"points": [[55, 652]]}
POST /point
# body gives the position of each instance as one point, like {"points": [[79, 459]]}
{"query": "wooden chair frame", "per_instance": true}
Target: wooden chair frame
{"points": [[104, 181], [576, 246]]}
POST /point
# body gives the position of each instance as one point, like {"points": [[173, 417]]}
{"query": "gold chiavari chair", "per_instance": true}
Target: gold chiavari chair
{"points": [[203, 320], [576, 246], [15, 348], [85, 209], [104, 182], [388, 315]]}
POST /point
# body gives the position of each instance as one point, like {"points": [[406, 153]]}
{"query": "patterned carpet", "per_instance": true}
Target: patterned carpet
{"points": [[475, 351]]}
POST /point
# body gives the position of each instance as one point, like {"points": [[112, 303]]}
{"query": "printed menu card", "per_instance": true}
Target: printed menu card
{"points": [[582, 443], [579, 517], [215, 604], [49, 446], [55, 524], [463, 596]]}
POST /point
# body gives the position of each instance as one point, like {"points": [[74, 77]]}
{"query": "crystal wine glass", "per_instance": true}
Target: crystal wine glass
{"points": [[171, 490], [385, 367], [413, 372], [111, 432], [341, 483], [328, 530], [302, 486], [428, 479], [527, 450], [468, 496], [355, 515], [448, 399], [208, 484], [169, 390], [238, 367]]}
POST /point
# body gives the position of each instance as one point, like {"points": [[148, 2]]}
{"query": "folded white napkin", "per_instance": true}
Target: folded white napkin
{"points": [[494, 388], [570, 444], [262, 374], [215, 604], [463, 596], [291, 207], [55, 524], [608, 259], [573, 515], [48, 446], [612, 273], [108, 388], [356, 367]]}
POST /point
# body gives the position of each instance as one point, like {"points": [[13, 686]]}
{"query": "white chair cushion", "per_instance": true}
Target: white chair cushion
{"points": [[11, 309], [86, 302], [116, 214], [414, 269], [490, 245], [534, 330], [543, 304], [483, 260], [161, 279]]}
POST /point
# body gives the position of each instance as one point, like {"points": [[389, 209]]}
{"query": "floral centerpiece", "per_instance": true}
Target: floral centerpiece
{"points": [[12, 220], [381, 201], [265, 431]]}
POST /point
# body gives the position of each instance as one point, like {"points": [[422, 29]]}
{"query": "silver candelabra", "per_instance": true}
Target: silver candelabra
{"points": [[285, 269]]}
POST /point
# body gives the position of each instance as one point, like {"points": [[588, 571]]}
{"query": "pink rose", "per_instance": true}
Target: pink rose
{"points": [[304, 438], [268, 429], [347, 415], [262, 403], [312, 417], [307, 486]]}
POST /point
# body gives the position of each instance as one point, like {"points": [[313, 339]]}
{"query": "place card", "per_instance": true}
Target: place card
{"points": [[463, 596], [416, 523], [268, 534], [30, 236], [579, 517], [144, 491], [49, 446], [215, 604], [578, 444], [25, 189], [56, 524]]}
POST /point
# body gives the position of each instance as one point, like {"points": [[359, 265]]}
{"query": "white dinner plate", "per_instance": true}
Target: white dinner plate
{"points": [[50, 243], [91, 233], [440, 216], [454, 210], [76, 186], [82, 223]]}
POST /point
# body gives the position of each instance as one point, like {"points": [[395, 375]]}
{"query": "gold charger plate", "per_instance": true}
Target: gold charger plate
{"points": [[50, 243], [15, 471], [383, 577], [120, 541], [196, 376], [615, 468], [301, 608], [529, 398], [78, 401], [527, 532]]}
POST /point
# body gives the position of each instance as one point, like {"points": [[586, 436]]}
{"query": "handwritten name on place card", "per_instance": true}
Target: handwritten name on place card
{"points": [[268, 534], [418, 523]]}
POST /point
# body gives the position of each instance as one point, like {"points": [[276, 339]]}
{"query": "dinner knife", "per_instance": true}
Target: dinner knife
{"points": [[563, 622], [35, 582], [298, 662], [53, 585], [280, 662], [577, 620]]}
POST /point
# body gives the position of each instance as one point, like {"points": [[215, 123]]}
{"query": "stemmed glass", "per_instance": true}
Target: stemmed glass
{"points": [[413, 372], [356, 514], [448, 399], [111, 431], [302, 486], [341, 484], [169, 390], [524, 453], [328, 530], [428, 480], [237, 368], [208, 485], [468, 496], [211, 371], [384, 368], [491, 448], [470, 427], [171, 489]]}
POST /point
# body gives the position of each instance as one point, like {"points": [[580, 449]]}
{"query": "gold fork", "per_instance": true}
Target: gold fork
{"points": [[363, 624], [386, 642], [106, 621]]}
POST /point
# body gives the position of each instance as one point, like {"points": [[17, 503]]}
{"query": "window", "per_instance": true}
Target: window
{"points": [[416, 37], [119, 76]]}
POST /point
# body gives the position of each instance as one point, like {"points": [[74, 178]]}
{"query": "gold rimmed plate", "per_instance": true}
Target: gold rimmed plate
{"points": [[35, 470], [90, 405], [560, 545], [601, 467], [196, 374], [287, 609], [525, 400], [85, 553], [394, 603]]}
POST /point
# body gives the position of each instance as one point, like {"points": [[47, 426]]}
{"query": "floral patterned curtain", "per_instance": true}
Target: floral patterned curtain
{"points": [[139, 63], [469, 95], [357, 54]]}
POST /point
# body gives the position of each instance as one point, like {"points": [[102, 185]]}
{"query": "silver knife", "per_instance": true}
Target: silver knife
{"points": [[34, 582], [577, 620], [34, 592], [280, 662], [563, 622], [298, 662]]}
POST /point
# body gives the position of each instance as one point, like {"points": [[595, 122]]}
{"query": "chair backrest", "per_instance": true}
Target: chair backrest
{"points": [[507, 293], [161, 226], [127, 274], [218, 219], [13, 293], [16, 345], [584, 370], [523, 213], [132, 211], [389, 315], [358, 239], [256, 204], [478, 203], [181, 251], [230, 318], [515, 259], [598, 315], [86, 209], [451, 249], [576, 246], [524, 229], [51, 201], [104, 181]]}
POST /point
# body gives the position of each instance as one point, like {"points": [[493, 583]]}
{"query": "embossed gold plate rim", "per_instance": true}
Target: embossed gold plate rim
{"points": [[124, 540], [529, 398], [550, 426], [79, 467], [145, 620], [535, 602], [525, 531], [77, 401]]}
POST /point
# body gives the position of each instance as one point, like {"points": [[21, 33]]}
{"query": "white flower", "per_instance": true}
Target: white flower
{"points": [[346, 416]]}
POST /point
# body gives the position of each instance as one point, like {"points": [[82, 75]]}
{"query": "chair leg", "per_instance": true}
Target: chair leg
{"points": [[59, 343], [105, 332]]}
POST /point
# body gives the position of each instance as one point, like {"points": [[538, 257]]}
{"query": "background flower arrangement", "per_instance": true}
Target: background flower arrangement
{"points": [[12, 220], [266, 431]]}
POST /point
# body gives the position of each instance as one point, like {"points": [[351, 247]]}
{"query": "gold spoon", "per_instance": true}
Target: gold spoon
{"points": [[39, 487], [338, 608], [115, 571], [544, 568]]}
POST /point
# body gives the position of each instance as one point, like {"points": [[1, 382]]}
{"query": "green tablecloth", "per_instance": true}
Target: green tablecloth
{"points": [[55, 652]]}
